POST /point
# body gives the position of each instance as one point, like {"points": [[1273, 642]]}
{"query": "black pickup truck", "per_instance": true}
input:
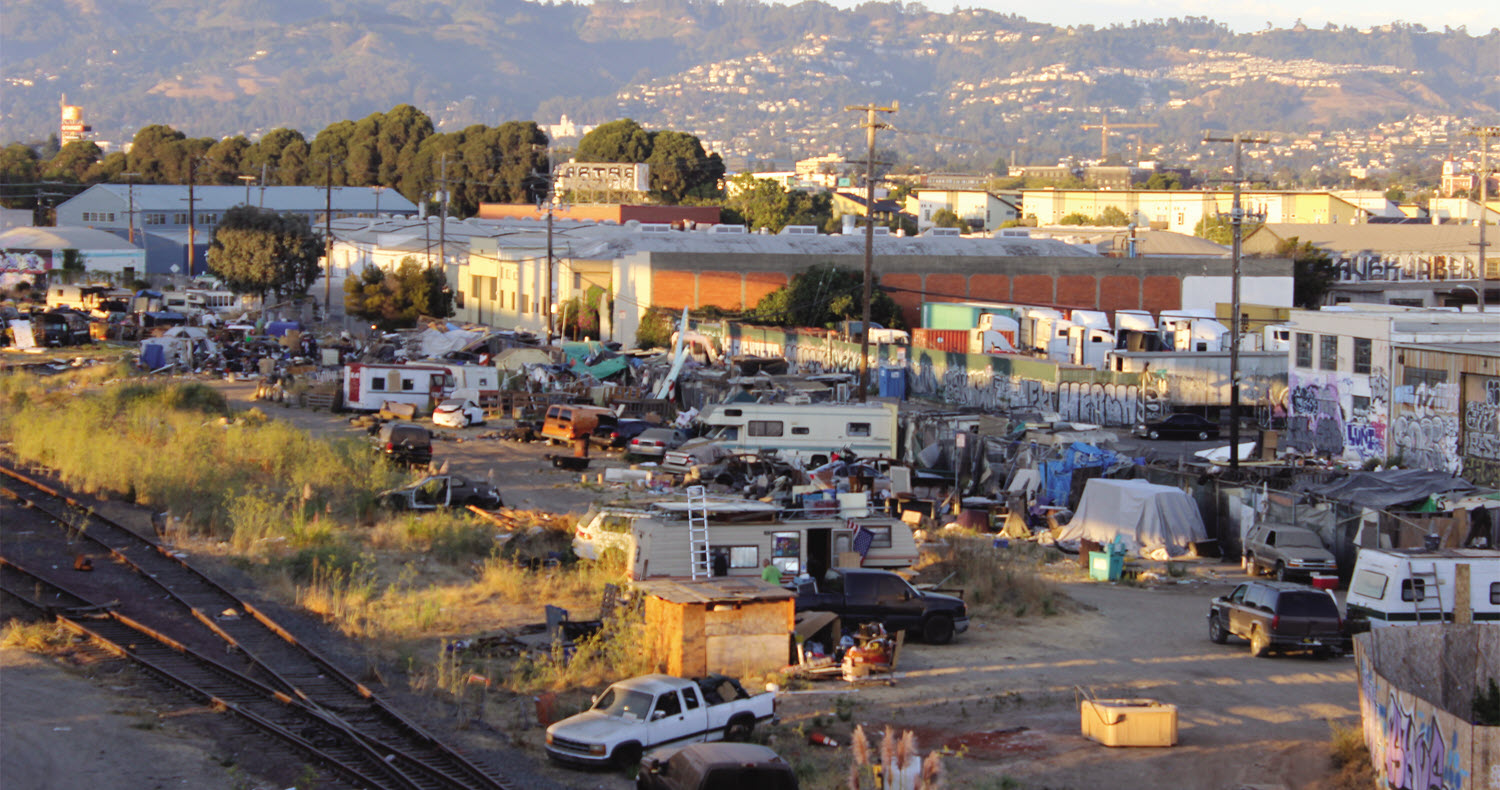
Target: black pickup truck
{"points": [[859, 595]]}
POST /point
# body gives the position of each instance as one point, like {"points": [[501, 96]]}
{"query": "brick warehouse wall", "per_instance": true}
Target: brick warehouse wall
{"points": [[739, 281]]}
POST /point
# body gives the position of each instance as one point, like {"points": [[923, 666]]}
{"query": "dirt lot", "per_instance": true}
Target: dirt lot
{"points": [[1001, 699]]}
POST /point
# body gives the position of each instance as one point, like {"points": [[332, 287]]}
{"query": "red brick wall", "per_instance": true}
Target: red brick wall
{"points": [[1033, 289], [947, 288], [673, 290], [1077, 290], [1119, 293], [721, 289], [758, 284], [910, 300], [989, 288], [1161, 293]]}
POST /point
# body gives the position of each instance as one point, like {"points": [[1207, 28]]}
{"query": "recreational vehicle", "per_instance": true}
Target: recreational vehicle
{"points": [[1408, 586], [367, 387], [809, 432], [742, 534]]}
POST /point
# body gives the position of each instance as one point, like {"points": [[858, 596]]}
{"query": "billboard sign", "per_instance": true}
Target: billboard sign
{"points": [[603, 177]]}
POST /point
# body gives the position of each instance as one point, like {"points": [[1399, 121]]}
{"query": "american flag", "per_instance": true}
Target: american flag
{"points": [[862, 539]]}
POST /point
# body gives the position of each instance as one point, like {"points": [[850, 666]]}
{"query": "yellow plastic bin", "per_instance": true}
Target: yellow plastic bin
{"points": [[1129, 722]]}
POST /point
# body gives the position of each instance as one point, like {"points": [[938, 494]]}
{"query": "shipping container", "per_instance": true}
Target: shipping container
{"points": [[941, 339], [960, 315]]}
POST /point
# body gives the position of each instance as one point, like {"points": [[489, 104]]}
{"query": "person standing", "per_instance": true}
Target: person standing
{"points": [[770, 573]]}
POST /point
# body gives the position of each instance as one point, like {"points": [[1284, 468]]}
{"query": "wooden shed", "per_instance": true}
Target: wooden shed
{"points": [[731, 625]]}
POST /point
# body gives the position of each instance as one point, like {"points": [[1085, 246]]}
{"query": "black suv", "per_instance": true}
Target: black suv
{"points": [[405, 443], [1279, 616]]}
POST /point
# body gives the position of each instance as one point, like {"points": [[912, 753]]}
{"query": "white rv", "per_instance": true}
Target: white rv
{"points": [[367, 387], [741, 535], [806, 432], [1408, 586]]}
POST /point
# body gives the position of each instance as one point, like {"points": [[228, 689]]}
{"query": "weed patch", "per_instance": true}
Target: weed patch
{"points": [[998, 580]]}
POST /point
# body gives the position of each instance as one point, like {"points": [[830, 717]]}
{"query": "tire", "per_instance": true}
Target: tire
{"points": [[1323, 653], [1155, 434], [739, 729], [627, 755], [1216, 632], [1280, 572], [937, 630], [1260, 644]]}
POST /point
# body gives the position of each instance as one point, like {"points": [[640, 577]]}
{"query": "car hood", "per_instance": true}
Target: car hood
{"points": [[591, 725]]}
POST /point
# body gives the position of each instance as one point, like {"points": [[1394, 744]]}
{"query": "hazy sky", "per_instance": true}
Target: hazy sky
{"points": [[1479, 15]]}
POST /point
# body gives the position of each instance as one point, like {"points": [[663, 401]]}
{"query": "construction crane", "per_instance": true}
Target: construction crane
{"points": [[1104, 126]]}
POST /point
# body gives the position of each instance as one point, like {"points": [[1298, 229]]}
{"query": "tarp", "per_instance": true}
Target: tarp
{"points": [[1386, 489], [434, 344], [514, 359], [1145, 515]]}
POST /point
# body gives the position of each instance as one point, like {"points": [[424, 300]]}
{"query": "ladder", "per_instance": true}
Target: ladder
{"points": [[1426, 598], [698, 551]]}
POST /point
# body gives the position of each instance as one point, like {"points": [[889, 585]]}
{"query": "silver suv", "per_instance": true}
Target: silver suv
{"points": [[1286, 551]]}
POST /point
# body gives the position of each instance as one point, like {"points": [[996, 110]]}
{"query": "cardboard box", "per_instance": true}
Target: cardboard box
{"points": [[1129, 722]]}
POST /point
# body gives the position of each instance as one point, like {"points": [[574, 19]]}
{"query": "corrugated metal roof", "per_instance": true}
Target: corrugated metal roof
{"points": [[1380, 238], [62, 238]]}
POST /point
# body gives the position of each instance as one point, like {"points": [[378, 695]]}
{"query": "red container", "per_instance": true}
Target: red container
{"points": [[1325, 581], [941, 339]]}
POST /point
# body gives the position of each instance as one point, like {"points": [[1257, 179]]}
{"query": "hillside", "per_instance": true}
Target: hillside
{"points": [[758, 80]]}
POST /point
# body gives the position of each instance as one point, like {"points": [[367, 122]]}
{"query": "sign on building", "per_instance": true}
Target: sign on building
{"points": [[603, 177]]}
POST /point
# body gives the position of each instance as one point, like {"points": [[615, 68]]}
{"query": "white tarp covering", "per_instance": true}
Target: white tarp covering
{"points": [[1146, 516], [434, 344]]}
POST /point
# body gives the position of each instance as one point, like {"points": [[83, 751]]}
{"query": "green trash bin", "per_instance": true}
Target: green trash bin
{"points": [[1105, 566]]}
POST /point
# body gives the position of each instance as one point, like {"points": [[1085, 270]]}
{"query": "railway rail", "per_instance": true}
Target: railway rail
{"points": [[265, 674]]}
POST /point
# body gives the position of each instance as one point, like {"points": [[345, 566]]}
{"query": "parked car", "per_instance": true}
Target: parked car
{"points": [[715, 766], [437, 491], [457, 413], [1279, 616], [405, 442], [860, 595], [1283, 551], [655, 442], [1179, 426], [653, 710], [566, 422], [618, 434]]}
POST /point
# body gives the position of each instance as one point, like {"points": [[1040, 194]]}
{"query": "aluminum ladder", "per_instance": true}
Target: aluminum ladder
{"points": [[1428, 605], [698, 551]]}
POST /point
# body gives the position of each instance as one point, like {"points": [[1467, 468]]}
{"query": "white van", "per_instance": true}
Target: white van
{"points": [[741, 534], [1407, 586], [806, 432]]}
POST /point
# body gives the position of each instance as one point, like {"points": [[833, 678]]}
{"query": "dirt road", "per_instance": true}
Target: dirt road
{"points": [[1003, 696]]}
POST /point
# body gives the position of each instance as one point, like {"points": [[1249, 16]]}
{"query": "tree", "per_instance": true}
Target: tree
{"points": [[1313, 272], [761, 203], [617, 141], [655, 329], [1164, 179], [73, 162], [18, 165], [1113, 216], [263, 252], [1395, 194], [396, 299], [944, 218], [151, 153], [1219, 230], [72, 265], [266, 153], [1076, 218], [824, 295]]}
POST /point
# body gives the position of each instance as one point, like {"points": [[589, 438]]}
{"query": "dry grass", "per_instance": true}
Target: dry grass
{"points": [[1347, 751], [995, 580], [34, 637]]}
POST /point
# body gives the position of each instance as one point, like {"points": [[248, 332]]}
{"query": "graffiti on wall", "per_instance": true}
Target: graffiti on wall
{"points": [[1482, 435], [1315, 420], [1407, 745], [1403, 266], [1425, 431]]}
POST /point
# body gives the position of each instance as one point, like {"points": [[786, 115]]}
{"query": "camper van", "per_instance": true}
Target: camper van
{"points": [[741, 534], [1408, 586], [808, 432]]}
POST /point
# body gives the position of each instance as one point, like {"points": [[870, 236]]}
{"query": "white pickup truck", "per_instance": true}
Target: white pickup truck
{"points": [[656, 710]]}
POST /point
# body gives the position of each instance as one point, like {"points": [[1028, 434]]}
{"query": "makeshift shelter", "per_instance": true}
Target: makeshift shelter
{"points": [[732, 626], [1145, 516]]}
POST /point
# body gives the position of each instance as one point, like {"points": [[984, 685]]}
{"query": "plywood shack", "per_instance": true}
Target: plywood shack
{"points": [[733, 626]]}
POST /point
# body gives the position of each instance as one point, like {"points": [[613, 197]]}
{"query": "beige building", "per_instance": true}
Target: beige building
{"points": [[982, 210], [1181, 210]]}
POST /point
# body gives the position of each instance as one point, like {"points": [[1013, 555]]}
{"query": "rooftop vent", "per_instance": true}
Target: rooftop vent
{"points": [[943, 232], [799, 230], [654, 227], [739, 230]]}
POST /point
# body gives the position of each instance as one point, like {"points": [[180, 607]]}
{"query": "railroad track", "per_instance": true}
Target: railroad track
{"points": [[197, 635]]}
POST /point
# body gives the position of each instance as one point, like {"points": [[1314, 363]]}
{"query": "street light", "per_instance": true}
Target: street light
{"points": [[247, 180]]}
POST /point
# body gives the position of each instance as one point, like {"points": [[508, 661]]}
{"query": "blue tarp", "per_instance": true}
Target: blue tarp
{"points": [[279, 328], [153, 356], [1057, 476]]}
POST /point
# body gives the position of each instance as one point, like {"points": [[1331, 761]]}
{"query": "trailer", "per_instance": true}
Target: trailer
{"points": [[368, 387], [809, 432], [1413, 586]]}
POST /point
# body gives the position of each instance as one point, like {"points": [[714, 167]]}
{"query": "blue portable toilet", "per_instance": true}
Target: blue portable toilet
{"points": [[893, 383]]}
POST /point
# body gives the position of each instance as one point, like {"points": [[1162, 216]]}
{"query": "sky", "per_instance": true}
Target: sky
{"points": [[1478, 15]]}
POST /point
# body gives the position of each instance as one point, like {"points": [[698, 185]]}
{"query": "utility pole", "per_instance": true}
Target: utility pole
{"points": [[262, 185], [328, 239], [130, 214], [443, 216], [1236, 219], [549, 205], [870, 124], [1484, 133], [192, 250]]}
